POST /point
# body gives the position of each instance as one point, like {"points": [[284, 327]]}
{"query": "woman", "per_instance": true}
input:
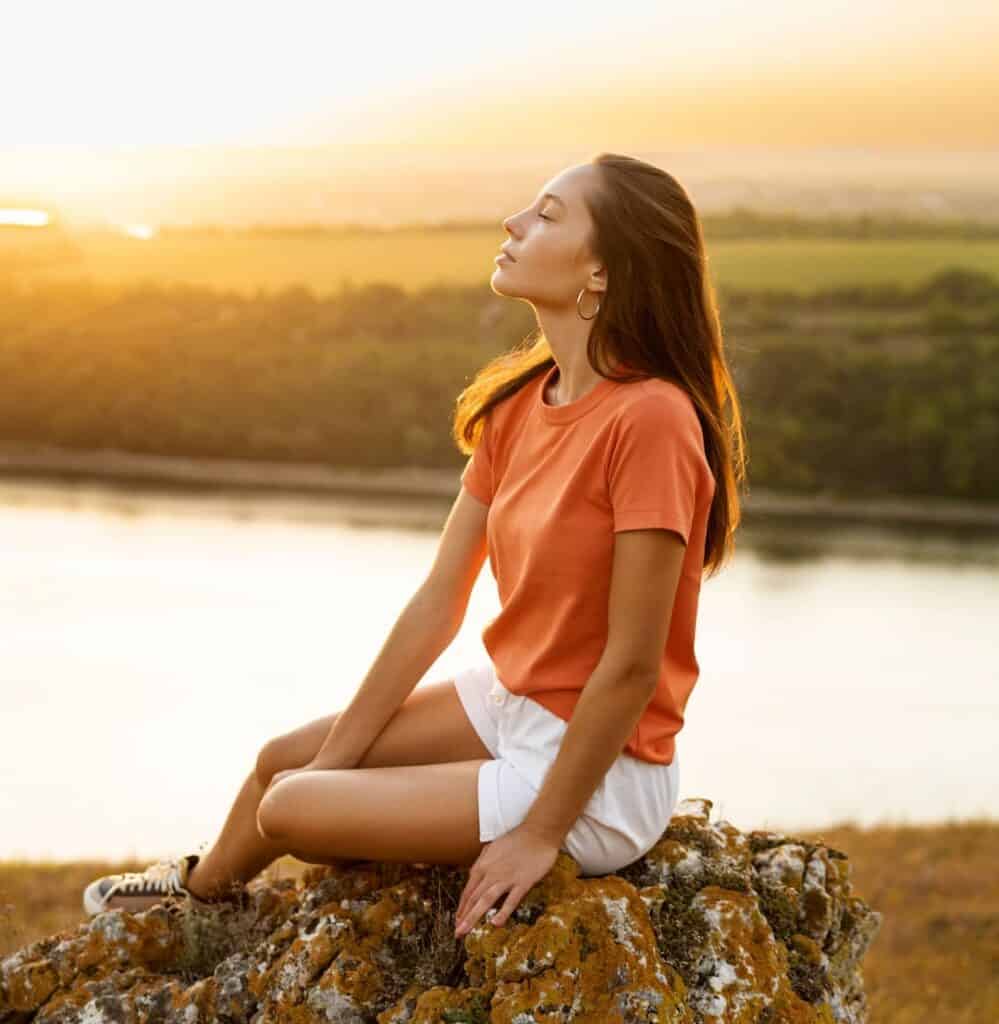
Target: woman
{"points": [[601, 485]]}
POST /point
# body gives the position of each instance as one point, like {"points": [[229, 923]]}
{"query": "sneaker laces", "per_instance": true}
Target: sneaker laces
{"points": [[161, 877]]}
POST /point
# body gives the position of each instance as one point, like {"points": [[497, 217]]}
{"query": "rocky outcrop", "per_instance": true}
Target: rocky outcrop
{"points": [[713, 925]]}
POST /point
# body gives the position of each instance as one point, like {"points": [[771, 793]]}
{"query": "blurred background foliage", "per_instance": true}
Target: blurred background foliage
{"points": [[859, 390]]}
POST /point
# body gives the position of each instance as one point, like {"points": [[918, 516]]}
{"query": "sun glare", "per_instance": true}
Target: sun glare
{"points": [[140, 231], [24, 218]]}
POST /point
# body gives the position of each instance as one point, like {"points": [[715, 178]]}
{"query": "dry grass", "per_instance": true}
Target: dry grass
{"points": [[936, 958], [38, 898], [937, 955]]}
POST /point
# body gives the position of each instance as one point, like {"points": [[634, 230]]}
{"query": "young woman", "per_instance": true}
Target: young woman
{"points": [[602, 483]]}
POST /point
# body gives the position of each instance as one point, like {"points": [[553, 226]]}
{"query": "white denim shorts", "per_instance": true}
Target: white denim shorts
{"points": [[623, 819]]}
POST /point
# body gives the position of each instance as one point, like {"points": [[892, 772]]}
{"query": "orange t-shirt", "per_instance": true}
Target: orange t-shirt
{"points": [[559, 482]]}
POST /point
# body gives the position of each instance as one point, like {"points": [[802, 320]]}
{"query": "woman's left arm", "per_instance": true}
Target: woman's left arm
{"points": [[645, 575], [646, 571]]}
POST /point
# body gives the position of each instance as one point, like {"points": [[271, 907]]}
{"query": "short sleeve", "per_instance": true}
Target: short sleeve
{"points": [[477, 476], [656, 465]]}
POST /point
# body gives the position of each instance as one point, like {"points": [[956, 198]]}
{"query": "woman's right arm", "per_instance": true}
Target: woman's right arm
{"points": [[423, 631]]}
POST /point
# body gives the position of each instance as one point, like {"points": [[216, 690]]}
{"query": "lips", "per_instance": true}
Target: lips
{"points": [[507, 255]]}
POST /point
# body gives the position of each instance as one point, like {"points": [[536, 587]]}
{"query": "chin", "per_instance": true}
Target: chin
{"points": [[496, 284]]}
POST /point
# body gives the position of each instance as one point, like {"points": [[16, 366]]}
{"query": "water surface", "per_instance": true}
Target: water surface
{"points": [[152, 642]]}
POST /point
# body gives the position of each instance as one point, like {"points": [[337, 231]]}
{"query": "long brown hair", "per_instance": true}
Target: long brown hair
{"points": [[657, 318]]}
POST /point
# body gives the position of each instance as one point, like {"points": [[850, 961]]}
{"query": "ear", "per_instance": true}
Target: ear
{"points": [[598, 280]]}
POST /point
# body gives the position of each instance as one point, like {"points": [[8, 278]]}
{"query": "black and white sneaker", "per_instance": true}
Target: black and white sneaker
{"points": [[139, 890]]}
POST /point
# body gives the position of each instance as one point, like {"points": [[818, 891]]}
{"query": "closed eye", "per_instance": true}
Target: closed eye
{"points": [[543, 217]]}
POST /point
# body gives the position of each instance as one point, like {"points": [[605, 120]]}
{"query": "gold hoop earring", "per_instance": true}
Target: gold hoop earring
{"points": [[580, 312]]}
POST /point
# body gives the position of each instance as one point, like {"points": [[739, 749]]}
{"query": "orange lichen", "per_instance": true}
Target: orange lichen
{"points": [[712, 925]]}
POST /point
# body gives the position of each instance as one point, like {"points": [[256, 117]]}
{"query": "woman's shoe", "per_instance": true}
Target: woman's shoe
{"points": [[139, 890]]}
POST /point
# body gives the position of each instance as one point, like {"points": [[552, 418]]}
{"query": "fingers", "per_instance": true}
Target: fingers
{"points": [[509, 905], [468, 919], [469, 896]]}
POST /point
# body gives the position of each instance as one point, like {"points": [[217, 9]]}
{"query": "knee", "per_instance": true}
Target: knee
{"points": [[267, 819], [268, 762], [278, 810], [293, 749]]}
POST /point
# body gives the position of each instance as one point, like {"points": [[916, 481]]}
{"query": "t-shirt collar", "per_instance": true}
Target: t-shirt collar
{"points": [[571, 410]]}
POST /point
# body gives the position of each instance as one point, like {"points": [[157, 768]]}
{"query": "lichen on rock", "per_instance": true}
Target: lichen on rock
{"points": [[712, 926]]}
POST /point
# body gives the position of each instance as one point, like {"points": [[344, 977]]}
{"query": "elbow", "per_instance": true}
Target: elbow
{"points": [[648, 681], [633, 673]]}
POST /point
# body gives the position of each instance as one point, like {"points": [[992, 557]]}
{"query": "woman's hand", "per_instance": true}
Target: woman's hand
{"points": [[511, 864]]}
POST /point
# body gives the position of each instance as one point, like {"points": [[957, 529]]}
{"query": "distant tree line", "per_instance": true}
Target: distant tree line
{"points": [[738, 223], [864, 391]]}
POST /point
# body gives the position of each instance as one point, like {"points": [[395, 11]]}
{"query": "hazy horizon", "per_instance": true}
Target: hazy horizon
{"points": [[186, 114], [387, 184]]}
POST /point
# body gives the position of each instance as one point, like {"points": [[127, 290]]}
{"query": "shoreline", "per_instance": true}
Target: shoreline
{"points": [[113, 466]]}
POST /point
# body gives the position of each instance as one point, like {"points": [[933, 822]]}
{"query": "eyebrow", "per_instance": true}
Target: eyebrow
{"points": [[558, 199]]}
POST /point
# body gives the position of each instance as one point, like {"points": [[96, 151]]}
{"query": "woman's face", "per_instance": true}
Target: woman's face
{"points": [[548, 243]]}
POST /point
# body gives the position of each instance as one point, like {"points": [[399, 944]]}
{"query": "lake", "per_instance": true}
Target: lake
{"points": [[153, 641]]}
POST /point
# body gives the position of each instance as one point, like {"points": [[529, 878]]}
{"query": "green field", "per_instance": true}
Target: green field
{"points": [[415, 258]]}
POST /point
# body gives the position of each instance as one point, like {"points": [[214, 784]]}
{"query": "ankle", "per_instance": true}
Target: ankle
{"points": [[212, 892], [195, 888]]}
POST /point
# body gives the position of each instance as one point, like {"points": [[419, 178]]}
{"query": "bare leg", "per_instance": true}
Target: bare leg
{"points": [[430, 724], [240, 853]]}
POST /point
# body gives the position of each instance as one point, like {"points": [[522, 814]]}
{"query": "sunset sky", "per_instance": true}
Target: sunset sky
{"points": [[640, 74]]}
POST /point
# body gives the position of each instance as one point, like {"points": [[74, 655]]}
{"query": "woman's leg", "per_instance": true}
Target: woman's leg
{"points": [[240, 852], [430, 726]]}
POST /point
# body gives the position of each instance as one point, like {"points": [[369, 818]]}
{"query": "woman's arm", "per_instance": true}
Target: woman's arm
{"points": [[422, 632], [644, 580], [424, 629]]}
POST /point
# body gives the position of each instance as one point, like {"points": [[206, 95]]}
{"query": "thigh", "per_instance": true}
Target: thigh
{"points": [[423, 814], [430, 727]]}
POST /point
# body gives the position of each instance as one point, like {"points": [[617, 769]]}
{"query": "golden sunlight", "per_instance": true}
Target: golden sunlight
{"points": [[141, 231], [780, 72], [24, 218]]}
